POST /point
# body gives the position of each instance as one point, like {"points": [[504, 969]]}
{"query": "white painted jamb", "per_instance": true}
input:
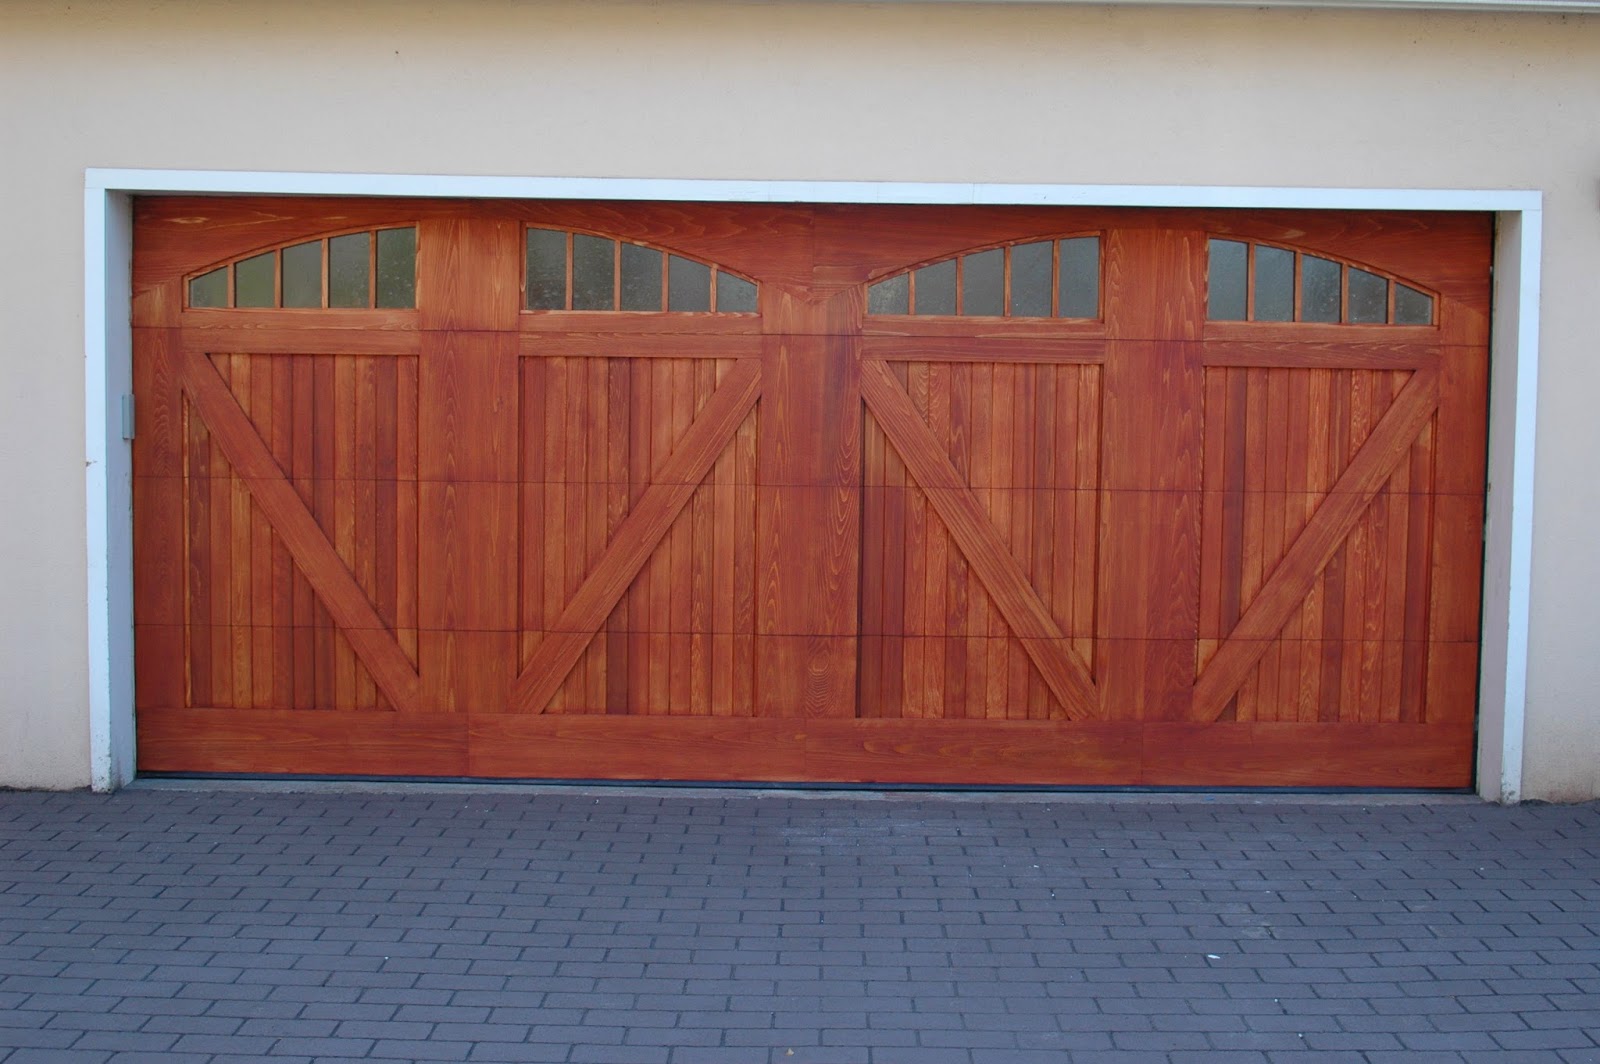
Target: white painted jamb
{"points": [[107, 346]]}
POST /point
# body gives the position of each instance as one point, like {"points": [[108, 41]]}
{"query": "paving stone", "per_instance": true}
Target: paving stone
{"points": [[231, 925]]}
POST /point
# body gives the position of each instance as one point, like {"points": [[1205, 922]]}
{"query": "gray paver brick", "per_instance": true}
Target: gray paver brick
{"points": [[667, 927]]}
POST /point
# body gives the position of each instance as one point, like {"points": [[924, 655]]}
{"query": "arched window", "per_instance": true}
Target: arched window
{"points": [[1027, 279], [1249, 281], [374, 268]]}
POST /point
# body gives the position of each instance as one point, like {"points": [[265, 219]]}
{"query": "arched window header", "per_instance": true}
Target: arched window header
{"points": [[1249, 281], [1024, 279], [578, 271], [373, 268]]}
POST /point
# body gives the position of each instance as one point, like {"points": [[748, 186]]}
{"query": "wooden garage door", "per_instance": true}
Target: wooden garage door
{"points": [[946, 495]]}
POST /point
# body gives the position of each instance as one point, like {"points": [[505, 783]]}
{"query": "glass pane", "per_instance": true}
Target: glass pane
{"points": [[1369, 298], [641, 278], [253, 281], [209, 289], [1225, 281], [1274, 284], [349, 266], [593, 273], [983, 283], [890, 297], [1030, 280], [735, 295], [1412, 307], [1080, 277], [547, 270], [688, 284], [1319, 289], [936, 288], [397, 267], [302, 275]]}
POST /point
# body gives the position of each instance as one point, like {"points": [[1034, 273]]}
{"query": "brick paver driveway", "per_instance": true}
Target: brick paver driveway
{"points": [[673, 926]]}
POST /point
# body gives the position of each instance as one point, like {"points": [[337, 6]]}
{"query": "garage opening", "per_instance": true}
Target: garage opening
{"points": [[777, 493]]}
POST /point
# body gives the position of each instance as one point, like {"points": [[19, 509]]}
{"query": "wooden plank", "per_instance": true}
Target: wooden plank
{"points": [[1318, 354], [966, 520], [345, 743], [679, 548], [1323, 534], [848, 751], [636, 538], [975, 752], [996, 348], [1306, 755], [387, 333], [618, 500], [551, 746], [328, 575]]}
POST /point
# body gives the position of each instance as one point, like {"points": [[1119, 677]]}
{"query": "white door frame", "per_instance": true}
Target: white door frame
{"points": [[1513, 384]]}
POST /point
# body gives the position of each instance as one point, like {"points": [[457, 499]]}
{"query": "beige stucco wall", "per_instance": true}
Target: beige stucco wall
{"points": [[820, 91]]}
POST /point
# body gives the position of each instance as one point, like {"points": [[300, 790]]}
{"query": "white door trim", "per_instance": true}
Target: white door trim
{"points": [[1513, 386]]}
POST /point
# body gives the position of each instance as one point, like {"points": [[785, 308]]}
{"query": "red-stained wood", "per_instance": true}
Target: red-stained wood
{"points": [[637, 536], [1151, 505], [316, 557], [1316, 545], [941, 549], [964, 516]]}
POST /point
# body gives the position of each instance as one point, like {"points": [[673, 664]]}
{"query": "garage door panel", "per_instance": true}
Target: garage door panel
{"points": [[664, 560], [1337, 523], [253, 540]]}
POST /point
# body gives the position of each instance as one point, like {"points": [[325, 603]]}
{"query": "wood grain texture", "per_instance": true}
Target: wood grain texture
{"points": [[636, 538], [1315, 546], [292, 521], [967, 522], [546, 747], [939, 549]]}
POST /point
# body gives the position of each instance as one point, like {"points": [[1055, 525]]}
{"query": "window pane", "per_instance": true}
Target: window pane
{"points": [[1274, 284], [349, 268], [593, 273], [397, 267], [688, 284], [1080, 277], [302, 275], [1412, 307], [735, 295], [1030, 280], [890, 297], [547, 270], [1369, 298], [209, 289], [253, 281], [1225, 281], [936, 288], [641, 278], [1319, 289], [983, 283]]}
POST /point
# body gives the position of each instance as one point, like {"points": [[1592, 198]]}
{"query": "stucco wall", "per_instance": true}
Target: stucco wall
{"points": [[817, 91]]}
